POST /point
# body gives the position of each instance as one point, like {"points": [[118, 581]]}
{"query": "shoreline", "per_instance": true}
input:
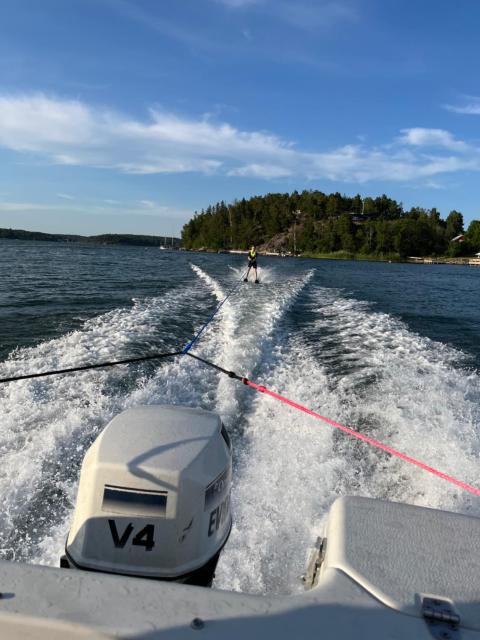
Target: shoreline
{"points": [[344, 255], [138, 241]]}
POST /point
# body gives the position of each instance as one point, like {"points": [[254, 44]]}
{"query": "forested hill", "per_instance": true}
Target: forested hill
{"points": [[315, 222], [109, 238]]}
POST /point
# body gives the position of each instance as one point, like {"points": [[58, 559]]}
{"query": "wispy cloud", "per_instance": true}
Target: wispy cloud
{"points": [[207, 39], [65, 196], [86, 86], [90, 207], [470, 106], [315, 15], [267, 171], [433, 184], [24, 206], [74, 133], [31, 123], [421, 137], [239, 4], [151, 206], [305, 14], [155, 21]]}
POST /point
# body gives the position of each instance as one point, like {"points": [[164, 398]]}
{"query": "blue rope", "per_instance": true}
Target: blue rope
{"points": [[190, 344]]}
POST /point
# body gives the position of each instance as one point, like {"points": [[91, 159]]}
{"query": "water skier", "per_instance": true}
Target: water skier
{"points": [[252, 263]]}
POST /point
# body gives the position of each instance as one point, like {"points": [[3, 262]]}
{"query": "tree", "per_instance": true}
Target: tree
{"points": [[325, 224], [345, 232], [473, 235], [414, 238], [385, 236], [357, 204], [434, 216], [369, 208], [306, 237], [327, 241], [386, 208], [454, 224], [331, 208]]}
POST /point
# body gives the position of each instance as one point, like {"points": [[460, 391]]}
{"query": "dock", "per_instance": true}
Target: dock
{"points": [[473, 262]]}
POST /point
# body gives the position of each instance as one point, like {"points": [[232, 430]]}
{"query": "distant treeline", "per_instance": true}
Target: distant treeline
{"points": [[109, 238], [314, 222]]}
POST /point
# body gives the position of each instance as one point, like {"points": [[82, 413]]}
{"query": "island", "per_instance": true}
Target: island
{"points": [[165, 242], [315, 224]]}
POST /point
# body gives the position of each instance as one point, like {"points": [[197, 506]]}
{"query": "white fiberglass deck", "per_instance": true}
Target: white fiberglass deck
{"points": [[381, 560]]}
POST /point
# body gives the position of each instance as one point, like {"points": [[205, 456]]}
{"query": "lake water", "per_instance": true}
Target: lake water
{"points": [[392, 350]]}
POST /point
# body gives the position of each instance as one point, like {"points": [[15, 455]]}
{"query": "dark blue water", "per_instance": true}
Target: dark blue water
{"points": [[48, 289], [389, 349], [438, 301]]}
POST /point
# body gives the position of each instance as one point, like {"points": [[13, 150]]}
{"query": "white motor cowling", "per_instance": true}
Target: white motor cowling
{"points": [[154, 496]]}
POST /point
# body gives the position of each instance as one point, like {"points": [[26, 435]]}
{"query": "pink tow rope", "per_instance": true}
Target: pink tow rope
{"points": [[361, 436]]}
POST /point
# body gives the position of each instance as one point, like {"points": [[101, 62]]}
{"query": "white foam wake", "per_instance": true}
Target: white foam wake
{"points": [[366, 370], [411, 393], [47, 424], [245, 331], [286, 479], [336, 355]]}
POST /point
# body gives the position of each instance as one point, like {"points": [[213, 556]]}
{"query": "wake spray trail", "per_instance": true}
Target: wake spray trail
{"points": [[47, 424], [292, 470], [286, 479], [243, 333], [410, 392], [289, 499]]}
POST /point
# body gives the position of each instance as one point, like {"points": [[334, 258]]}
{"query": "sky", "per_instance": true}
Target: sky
{"points": [[127, 116]]}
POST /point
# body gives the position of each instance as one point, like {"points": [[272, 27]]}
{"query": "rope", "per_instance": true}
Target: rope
{"points": [[261, 389], [190, 344], [230, 374], [155, 356], [360, 436], [28, 376], [365, 438]]}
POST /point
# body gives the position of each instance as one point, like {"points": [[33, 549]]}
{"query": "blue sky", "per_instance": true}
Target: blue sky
{"points": [[125, 116]]}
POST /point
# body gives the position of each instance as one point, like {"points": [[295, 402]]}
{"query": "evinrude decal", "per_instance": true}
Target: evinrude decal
{"points": [[218, 516], [217, 489]]}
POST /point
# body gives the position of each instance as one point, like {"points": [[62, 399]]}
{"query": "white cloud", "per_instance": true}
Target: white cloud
{"points": [[261, 171], [65, 196], [153, 207], [28, 123], [470, 107], [74, 133], [433, 184], [149, 204], [421, 137], [63, 158]]}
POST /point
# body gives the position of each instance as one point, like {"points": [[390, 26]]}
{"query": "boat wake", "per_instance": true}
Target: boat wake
{"points": [[365, 370], [316, 345]]}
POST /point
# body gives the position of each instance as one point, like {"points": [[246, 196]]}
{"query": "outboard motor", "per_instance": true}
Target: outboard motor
{"points": [[154, 496]]}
